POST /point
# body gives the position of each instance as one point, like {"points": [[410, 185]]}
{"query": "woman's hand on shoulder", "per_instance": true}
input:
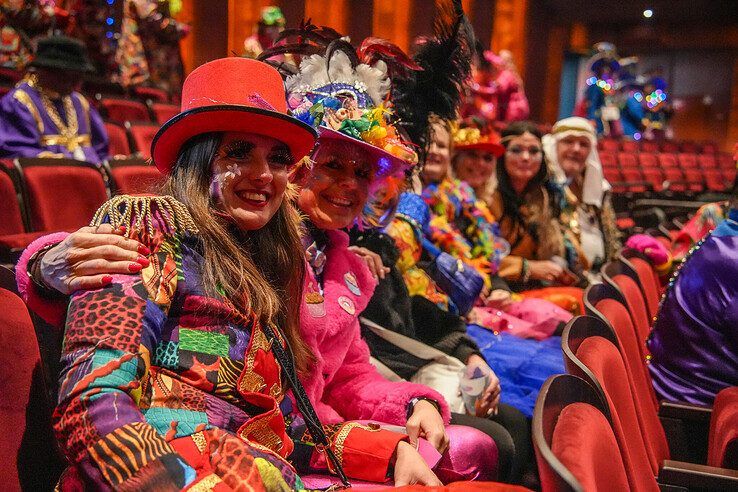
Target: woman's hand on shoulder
{"points": [[87, 258], [411, 468], [373, 261]]}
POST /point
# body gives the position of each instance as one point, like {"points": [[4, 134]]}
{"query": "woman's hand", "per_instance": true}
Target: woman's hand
{"points": [[411, 468], [373, 261], [86, 259], [498, 299], [427, 422], [544, 270], [487, 404]]}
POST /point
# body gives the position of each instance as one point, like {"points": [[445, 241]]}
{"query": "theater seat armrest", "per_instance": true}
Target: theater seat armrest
{"points": [[685, 411], [697, 477]]}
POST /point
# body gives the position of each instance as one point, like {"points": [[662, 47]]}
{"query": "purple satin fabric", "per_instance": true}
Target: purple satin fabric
{"points": [[472, 455], [694, 342]]}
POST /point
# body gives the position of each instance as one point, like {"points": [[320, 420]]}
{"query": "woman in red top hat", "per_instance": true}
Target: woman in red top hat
{"points": [[177, 377]]}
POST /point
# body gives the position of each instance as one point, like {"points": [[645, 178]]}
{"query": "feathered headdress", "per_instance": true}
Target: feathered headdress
{"points": [[345, 94], [445, 60]]}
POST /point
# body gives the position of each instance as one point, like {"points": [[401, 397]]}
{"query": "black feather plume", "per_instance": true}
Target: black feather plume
{"points": [[446, 62]]}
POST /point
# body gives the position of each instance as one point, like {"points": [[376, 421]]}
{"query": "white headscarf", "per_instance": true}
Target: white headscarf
{"points": [[595, 185]]}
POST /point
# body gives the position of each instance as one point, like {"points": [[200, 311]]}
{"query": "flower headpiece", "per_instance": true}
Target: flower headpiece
{"points": [[345, 94]]}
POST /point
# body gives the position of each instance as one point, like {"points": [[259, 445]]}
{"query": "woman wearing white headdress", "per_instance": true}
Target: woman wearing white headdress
{"points": [[588, 216]]}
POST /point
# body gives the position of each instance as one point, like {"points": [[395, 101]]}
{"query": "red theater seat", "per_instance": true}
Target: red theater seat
{"points": [[668, 160], [612, 175], [629, 146], [627, 160], [164, 112], [142, 135], [647, 159], [695, 179], [624, 278], [649, 279], [725, 161], [608, 159], [590, 352], [118, 139], [122, 110], [706, 161], [654, 177], [54, 196], [649, 146], [715, 181], [722, 449], [689, 147], [28, 454], [670, 147], [573, 438], [153, 93], [608, 144], [11, 219], [709, 148], [675, 177], [135, 176], [687, 161]]}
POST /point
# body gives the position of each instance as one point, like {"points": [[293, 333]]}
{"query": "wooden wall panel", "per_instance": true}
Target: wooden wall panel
{"points": [[391, 20], [510, 30]]}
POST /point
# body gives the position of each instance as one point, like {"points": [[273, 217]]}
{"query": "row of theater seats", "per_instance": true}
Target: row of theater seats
{"points": [[609, 144], [596, 428], [667, 173], [600, 427], [43, 195]]}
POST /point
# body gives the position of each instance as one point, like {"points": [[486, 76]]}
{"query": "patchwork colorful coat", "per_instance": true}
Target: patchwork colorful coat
{"points": [[165, 387]]}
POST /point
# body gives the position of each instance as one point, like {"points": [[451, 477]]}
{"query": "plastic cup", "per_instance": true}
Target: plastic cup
{"points": [[473, 380]]}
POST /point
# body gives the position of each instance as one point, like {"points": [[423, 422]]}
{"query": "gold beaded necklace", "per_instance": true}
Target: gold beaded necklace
{"points": [[72, 127]]}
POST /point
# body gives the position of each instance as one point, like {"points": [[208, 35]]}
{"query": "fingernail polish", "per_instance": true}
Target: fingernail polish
{"points": [[134, 267], [122, 229], [107, 279], [143, 250], [143, 261]]}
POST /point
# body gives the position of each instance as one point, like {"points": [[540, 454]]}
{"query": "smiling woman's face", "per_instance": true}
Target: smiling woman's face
{"points": [[334, 192], [250, 175]]}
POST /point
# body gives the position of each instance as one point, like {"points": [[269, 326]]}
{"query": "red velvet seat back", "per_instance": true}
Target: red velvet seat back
{"points": [[722, 449], [134, 180], [644, 397], [28, 454], [629, 146], [627, 160], [63, 197], [585, 444], [603, 359], [118, 139], [11, 221], [649, 282], [637, 306], [143, 135], [163, 112], [122, 110]]}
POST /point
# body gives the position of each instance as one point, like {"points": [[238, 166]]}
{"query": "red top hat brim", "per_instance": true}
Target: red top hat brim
{"points": [[298, 136], [394, 163], [492, 147]]}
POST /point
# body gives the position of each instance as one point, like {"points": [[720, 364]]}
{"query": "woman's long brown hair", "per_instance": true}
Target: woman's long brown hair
{"points": [[259, 271]]}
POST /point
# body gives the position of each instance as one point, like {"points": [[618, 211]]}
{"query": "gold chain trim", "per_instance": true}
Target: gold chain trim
{"points": [[135, 213], [22, 97], [199, 439], [72, 127]]}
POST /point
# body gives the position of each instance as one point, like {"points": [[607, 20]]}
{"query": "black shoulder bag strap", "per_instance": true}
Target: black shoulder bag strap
{"points": [[287, 361]]}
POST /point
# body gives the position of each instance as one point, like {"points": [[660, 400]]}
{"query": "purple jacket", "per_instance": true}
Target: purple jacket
{"points": [[694, 342], [27, 130]]}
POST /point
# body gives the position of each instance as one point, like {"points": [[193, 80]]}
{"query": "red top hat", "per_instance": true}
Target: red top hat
{"points": [[231, 95]]}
